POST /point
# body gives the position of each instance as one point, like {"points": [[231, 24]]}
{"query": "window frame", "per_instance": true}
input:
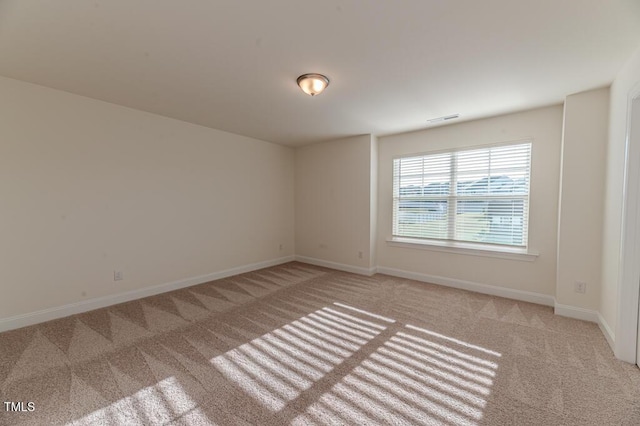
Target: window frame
{"points": [[475, 248]]}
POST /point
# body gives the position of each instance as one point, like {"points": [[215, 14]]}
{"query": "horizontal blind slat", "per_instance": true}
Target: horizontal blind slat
{"points": [[490, 202]]}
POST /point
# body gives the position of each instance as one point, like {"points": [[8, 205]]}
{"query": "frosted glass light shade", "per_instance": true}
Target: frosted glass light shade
{"points": [[313, 84]]}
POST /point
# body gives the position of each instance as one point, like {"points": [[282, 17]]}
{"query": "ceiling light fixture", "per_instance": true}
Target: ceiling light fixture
{"points": [[313, 84]]}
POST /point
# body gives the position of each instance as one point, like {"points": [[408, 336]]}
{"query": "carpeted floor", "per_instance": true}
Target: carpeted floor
{"points": [[298, 344]]}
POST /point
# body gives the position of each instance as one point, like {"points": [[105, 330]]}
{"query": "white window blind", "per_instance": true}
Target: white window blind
{"points": [[477, 195]]}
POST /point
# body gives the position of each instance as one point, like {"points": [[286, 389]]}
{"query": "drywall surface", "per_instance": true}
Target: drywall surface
{"points": [[373, 203], [88, 188], [627, 79], [333, 201], [584, 146], [544, 128]]}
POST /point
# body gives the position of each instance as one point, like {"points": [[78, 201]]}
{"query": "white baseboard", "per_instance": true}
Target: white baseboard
{"points": [[606, 330], [525, 296], [576, 312], [588, 315], [339, 266], [24, 320]]}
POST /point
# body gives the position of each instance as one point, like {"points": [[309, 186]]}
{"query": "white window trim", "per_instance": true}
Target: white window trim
{"points": [[472, 249]]}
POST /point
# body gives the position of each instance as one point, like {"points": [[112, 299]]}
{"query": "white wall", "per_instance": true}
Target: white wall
{"points": [[544, 127], [628, 78], [373, 203], [582, 188], [87, 187], [333, 182]]}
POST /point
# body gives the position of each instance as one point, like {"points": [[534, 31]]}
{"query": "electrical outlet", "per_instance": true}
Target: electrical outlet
{"points": [[322, 246], [581, 287], [359, 255], [281, 247], [118, 276]]}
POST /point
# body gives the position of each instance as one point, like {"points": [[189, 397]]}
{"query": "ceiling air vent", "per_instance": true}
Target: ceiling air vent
{"points": [[443, 118]]}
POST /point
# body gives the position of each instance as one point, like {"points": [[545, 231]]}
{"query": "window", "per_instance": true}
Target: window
{"points": [[477, 195]]}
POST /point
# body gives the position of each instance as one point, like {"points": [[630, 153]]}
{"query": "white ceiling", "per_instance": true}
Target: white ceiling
{"points": [[232, 64]]}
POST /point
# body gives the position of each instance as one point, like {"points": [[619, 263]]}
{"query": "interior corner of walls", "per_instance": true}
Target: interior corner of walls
{"points": [[607, 331], [337, 266], [587, 315], [576, 312]]}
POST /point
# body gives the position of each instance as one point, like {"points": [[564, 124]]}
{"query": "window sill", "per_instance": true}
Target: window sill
{"points": [[465, 248]]}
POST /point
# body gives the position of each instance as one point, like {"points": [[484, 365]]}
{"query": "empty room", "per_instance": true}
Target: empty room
{"points": [[349, 212]]}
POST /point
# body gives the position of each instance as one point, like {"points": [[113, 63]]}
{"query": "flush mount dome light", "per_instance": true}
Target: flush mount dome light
{"points": [[313, 84]]}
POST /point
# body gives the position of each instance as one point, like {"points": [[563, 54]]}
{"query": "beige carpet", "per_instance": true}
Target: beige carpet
{"points": [[298, 344]]}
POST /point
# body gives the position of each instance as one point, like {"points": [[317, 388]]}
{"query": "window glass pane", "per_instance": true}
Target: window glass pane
{"points": [[485, 190], [422, 218], [472, 221], [491, 221]]}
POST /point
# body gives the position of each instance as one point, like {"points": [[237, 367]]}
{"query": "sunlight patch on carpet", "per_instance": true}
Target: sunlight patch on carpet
{"points": [[409, 375], [159, 403], [278, 366]]}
